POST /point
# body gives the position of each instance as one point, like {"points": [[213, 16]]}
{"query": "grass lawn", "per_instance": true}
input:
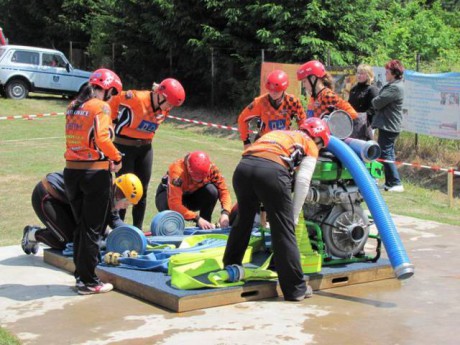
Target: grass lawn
{"points": [[31, 148], [6, 338]]}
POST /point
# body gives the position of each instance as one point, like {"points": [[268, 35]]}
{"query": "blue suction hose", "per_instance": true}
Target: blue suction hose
{"points": [[377, 206]]}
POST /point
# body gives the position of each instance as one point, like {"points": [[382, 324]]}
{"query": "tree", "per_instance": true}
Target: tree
{"points": [[418, 28]]}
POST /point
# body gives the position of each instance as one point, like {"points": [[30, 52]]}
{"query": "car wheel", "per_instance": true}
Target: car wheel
{"points": [[17, 89]]}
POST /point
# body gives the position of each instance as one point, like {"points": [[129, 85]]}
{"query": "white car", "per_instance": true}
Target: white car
{"points": [[30, 69]]}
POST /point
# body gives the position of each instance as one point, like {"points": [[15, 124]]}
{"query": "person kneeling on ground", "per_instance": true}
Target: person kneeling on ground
{"points": [[194, 183], [52, 207], [265, 175]]}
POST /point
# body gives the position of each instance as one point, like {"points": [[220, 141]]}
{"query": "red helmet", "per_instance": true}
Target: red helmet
{"points": [[313, 67], [198, 164], [173, 91], [277, 81], [317, 128], [106, 79]]}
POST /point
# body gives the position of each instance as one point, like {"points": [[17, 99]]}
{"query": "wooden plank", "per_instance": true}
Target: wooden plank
{"points": [[331, 279], [155, 287]]}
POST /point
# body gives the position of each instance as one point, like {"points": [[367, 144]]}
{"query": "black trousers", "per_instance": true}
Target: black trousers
{"points": [[56, 216], [257, 180], [203, 200], [137, 160], [89, 193]]}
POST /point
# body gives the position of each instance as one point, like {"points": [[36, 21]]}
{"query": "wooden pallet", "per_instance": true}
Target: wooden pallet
{"points": [[156, 287]]}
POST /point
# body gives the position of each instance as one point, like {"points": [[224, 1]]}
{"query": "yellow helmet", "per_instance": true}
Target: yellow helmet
{"points": [[131, 187]]}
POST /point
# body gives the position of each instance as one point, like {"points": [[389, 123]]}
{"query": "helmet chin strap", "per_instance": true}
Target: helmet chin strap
{"points": [[276, 102], [160, 103], [313, 85], [107, 94]]}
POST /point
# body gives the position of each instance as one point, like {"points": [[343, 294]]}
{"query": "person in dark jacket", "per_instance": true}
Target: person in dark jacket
{"points": [[361, 96], [265, 174], [52, 207], [388, 117]]}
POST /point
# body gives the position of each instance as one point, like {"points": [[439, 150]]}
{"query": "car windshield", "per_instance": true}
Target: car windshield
{"points": [[2, 50]]}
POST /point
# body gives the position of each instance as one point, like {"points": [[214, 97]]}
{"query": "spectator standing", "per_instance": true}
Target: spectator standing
{"points": [[388, 119], [360, 99]]}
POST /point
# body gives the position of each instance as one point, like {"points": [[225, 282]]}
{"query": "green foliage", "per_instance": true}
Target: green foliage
{"points": [[415, 28]]}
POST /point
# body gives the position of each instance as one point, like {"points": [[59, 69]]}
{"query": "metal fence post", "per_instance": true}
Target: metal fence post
{"points": [[212, 77], [450, 187], [417, 69]]}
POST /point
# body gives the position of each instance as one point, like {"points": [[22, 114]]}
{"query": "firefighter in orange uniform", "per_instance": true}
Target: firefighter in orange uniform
{"points": [[265, 174], [194, 183], [51, 205], [319, 84], [137, 116], [275, 109], [90, 157]]}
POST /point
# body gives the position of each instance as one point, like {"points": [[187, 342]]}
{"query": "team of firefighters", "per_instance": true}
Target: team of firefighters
{"points": [[109, 130]]}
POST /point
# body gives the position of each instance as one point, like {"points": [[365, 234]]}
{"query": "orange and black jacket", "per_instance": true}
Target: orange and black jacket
{"points": [[133, 115], [325, 100], [89, 133], [180, 183], [286, 148], [271, 118]]}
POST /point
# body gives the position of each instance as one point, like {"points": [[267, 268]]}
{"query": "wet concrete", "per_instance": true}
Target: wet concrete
{"points": [[39, 305]]}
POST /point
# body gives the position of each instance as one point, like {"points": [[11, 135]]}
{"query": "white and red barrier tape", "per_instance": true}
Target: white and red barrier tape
{"points": [[418, 165], [204, 123], [182, 119], [29, 117]]}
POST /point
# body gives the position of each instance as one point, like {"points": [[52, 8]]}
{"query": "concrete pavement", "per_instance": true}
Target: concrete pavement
{"points": [[39, 305]]}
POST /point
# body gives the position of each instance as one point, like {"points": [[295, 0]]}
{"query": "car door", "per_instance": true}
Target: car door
{"points": [[53, 73], [25, 62]]}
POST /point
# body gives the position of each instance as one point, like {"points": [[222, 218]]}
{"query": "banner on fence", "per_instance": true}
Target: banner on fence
{"points": [[432, 104], [290, 69]]}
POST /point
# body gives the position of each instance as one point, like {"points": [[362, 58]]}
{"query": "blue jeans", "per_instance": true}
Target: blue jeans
{"points": [[387, 145]]}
